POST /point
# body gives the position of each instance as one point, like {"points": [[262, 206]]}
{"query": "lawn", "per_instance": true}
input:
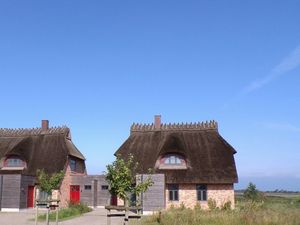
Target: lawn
{"points": [[272, 211]]}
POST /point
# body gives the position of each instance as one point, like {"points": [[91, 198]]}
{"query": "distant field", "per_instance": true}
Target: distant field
{"points": [[276, 209], [277, 194]]}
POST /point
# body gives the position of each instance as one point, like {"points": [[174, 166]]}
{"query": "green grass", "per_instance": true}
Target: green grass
{"points": [[72, 211], [273, 211]]}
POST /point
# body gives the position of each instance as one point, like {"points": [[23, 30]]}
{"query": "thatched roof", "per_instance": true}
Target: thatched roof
{"points": [[209, 157], [41, 149]]}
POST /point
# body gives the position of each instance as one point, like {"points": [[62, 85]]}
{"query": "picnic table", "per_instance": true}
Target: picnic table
{"points": [[123, 211]]}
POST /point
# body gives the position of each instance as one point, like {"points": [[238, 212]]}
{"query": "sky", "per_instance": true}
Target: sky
{"points": [[99, 66]]}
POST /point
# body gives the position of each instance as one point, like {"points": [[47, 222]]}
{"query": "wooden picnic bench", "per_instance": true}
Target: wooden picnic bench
{"points": [[123, 211]]}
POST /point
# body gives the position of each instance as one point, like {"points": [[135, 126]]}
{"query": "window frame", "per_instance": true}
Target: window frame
{"points": [[173, 190], [201, 192]]}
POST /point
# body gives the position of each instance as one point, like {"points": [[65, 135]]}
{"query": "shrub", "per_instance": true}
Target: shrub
{"points": [[197, 206], [81, 207], [253, 194], [172, 206], [182, 206], [226, 206], [67, 213], [212, 204]]}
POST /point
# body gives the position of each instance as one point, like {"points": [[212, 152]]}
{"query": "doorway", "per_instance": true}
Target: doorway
{"points": [[30, 197]]}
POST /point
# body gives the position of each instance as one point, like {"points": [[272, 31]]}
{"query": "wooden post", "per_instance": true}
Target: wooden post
{"points": [[57, 209], [126, 212], [36, 214], [47, 215], [126, 216], [108, 217]]}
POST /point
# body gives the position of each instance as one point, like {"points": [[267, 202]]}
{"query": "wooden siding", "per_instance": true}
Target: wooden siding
{"points": [[1, 188], [11, 187], [154, 198], [25, 182], [95, 196]]}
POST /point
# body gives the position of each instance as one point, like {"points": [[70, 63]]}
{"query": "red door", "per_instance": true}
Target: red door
{"points": [[30, 196], [114, 200], [74, 193]]}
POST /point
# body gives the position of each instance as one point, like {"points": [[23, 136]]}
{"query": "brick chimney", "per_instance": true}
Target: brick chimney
{"points": [[45, 125], [157, 122]]}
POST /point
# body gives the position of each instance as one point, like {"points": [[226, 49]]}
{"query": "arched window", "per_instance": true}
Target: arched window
{"points": [[172, 161], [14, 161]]}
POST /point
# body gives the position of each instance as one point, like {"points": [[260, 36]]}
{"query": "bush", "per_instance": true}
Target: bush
{"points": [[82, 208], [182, 206], [253, 194], [212, 205], [226, 206], [67, 213], [197, 206]]}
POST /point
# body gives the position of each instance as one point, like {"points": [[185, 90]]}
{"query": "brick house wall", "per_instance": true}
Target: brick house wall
{"points": [[64, 191], [221, 193]]}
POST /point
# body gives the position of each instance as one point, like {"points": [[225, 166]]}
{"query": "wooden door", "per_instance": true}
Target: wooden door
{"points": [[30, 196], [75, 194]]}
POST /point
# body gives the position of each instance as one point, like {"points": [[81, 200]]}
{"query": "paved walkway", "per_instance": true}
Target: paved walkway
{"points": [[96, 217]]}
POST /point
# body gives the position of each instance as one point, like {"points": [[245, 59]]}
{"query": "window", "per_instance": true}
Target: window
{"points": [[73, 164], [201, 192], [173, 192], [14, 162], [104, 187], [172, 160], [87, 187]]}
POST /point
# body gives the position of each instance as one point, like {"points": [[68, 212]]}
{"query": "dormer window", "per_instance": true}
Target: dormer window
{"points": [[172, 161], [13, 162]]}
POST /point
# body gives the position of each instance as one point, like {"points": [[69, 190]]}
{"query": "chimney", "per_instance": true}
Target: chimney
{"points": [[45, 125], [157, 122]]}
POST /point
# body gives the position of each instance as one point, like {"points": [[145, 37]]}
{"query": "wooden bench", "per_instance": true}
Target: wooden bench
{"points": [[124, 213]]}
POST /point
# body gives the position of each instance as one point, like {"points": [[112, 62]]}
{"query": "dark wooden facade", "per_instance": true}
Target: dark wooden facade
{"points": [[13, 191], [93, 190]]}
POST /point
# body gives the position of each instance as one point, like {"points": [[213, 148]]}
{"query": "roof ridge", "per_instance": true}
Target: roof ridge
{"points": [[206, 125], [19, 132]]}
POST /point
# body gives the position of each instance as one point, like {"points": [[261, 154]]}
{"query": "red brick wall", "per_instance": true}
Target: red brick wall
{"points": [[65, 185]]}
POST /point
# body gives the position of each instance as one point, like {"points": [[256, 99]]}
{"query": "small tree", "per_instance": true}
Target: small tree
{"points": [[47, 182], [252, 193], [121, 177]]}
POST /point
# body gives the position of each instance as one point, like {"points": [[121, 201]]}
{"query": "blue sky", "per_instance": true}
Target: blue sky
{"points": [[99, 66]]}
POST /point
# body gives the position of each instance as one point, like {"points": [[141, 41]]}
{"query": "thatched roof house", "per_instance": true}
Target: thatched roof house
{"points": [[47, 149], [25, 151], [187, 154]]}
